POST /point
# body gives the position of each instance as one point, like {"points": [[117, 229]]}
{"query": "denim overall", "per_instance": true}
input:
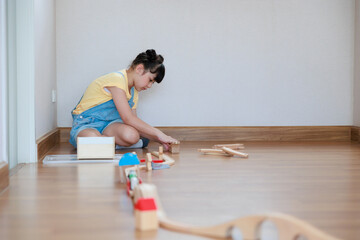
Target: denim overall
{"points": [[98, 117]]}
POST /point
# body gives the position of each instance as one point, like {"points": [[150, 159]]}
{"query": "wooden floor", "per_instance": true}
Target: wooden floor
{"points": [[316, 182]]}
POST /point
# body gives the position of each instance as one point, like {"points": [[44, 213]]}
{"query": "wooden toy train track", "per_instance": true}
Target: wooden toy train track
{"points": [[149, 214]]}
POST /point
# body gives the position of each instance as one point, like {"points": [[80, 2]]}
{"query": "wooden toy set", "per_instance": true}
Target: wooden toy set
{"points": [[226, 150], [149, 214]]}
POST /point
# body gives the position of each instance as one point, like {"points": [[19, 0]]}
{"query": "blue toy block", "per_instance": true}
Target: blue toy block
{"points": [[158, 166], [129, 159]]}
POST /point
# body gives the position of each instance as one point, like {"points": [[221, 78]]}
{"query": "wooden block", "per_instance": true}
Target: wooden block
{"points": [[161, 152], [234, 146], [122, 174], [148, 162], [214, 151], [146, 220], [95, 147], [233, 152], [146, 190], [146, 214], [137, 170], [175, 147], [167, 160]]}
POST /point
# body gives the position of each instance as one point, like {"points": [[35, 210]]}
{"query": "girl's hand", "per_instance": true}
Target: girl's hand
{"points": [[166, 141]]}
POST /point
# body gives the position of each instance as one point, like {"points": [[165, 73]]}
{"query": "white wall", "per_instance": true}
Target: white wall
{"points": [[45, 66], [357, 67], [229, 63]]}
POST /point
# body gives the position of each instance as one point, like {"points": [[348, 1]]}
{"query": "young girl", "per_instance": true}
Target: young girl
{"points": [[108, 106]]}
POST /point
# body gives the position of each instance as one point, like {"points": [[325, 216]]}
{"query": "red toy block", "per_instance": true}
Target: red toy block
{"points": [[155, 161], [145, 204]]}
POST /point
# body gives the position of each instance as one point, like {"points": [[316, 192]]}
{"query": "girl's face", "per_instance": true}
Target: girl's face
{"points": [[144, 80]]}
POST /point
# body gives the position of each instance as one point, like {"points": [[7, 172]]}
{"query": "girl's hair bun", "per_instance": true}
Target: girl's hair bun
{"points": [[151, 54]]}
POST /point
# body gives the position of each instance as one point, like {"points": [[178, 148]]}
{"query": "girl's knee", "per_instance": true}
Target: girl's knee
{"points": [[89, 133], [130, 136]]}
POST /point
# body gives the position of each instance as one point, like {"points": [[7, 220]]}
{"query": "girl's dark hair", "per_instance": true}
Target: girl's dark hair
{"points": [[152, 62]]}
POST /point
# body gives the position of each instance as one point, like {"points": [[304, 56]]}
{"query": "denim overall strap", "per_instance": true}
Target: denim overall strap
{"points": [[131, 100], [77, 104]]}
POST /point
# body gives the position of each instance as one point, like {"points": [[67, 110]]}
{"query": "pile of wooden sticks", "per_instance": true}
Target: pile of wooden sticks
{"points": [[226, 150]]}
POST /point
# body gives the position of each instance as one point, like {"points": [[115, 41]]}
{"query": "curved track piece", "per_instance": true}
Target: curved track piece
{"points": [[247, 225], [289, 228]]}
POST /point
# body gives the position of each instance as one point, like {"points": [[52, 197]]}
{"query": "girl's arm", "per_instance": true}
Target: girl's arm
{"points": [[129, 118], [141, 133]]}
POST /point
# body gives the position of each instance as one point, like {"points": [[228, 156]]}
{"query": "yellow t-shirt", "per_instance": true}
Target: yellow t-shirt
{"points": [[95, 94]]}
